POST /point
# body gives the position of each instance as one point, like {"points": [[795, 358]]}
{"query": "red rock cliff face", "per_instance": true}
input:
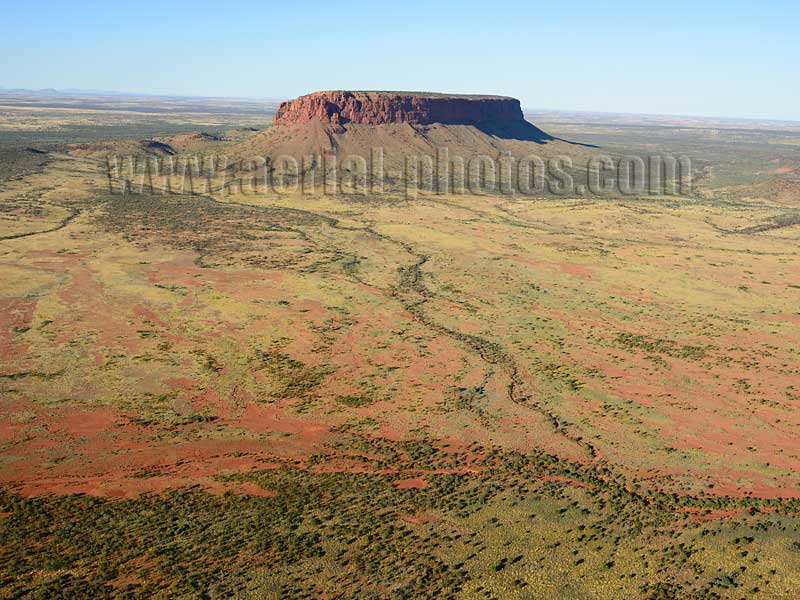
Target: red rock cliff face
{"points": [[378, 108]]}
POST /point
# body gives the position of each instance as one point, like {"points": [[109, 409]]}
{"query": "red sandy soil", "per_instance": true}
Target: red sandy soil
{"points": [[15, 313], [704, 515], [64, 447], [419, 519], [410, 484], [100, 452]]}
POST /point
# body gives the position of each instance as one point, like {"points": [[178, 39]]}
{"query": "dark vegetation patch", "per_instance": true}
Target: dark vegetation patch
{"points": [[660, 346], [59, 137], [193, 543], [787, 219], [472, 399], [221, 233], [17, 162], [344, 535], [292, 378], [355, 401]]}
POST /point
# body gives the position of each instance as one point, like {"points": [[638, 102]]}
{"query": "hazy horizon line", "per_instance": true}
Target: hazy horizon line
{"points": [[131, 94]]}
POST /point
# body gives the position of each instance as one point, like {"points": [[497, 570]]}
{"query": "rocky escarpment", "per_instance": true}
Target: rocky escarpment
{"points": [[380, 108]]}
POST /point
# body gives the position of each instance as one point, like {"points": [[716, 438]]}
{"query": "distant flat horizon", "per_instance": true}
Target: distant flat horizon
{"points": [[526, 109]]}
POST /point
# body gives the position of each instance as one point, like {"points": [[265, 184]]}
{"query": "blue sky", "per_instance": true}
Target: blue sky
{"points": [[735, 59]]}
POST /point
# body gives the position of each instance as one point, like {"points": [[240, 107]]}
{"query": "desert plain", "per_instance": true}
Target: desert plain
{"points": [[286, 395]]}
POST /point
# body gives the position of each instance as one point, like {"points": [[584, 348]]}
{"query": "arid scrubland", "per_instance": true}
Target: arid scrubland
{"points": [[355, 396]]}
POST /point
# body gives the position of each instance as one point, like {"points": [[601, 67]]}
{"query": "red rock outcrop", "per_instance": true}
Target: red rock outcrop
{"points": [[378, 108]]}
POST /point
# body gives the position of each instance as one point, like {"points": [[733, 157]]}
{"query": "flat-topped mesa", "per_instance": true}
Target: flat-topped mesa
{"points": [[380, 108]]}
